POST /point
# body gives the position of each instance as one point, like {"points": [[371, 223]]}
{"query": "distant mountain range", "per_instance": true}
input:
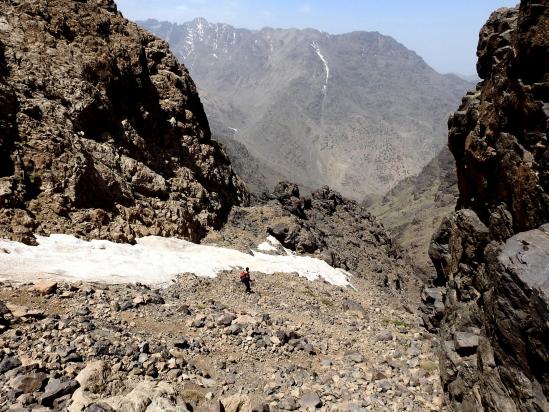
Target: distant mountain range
{"points": [[356, 111]]}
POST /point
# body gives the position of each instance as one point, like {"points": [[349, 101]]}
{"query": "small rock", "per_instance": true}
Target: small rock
{"points": [[355, 357], [83, 311], [199, 322], [226, 319], [125, 304], [235, 329], [99, 407], [181, 343], [144, 347], [184, 309], [384, 336], [9, 363], [288, 404], [310, 400], [45, 287], [56, 389], [384, 385]]}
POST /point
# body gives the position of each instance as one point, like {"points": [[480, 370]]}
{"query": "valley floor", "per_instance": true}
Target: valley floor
{"points": [[200, 343]]}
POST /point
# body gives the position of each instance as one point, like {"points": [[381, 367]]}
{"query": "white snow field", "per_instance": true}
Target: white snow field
{"points": [[153, 260]]}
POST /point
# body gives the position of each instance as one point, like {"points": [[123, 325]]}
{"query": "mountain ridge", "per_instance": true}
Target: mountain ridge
{"points": [[357, 111]]}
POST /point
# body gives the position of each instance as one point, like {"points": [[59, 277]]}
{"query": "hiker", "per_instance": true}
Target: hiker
{"points": [[246, 279]]}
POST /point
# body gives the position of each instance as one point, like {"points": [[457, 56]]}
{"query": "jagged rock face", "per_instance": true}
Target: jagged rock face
{"points": [[498, 136], [324, 225], [492, 255], [102, 131]]}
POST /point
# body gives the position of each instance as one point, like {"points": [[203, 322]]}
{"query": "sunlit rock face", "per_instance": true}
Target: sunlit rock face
{"points": [[102, 131]]}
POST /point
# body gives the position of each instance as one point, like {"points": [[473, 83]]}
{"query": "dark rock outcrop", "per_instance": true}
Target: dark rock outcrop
{"points": [[325, 225], [492, 256], [4, 317], [102, 132]]}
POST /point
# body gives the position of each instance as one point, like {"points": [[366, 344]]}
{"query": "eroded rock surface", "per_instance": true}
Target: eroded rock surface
{"points": [[491, 255], [325, 225], [102, 133]]}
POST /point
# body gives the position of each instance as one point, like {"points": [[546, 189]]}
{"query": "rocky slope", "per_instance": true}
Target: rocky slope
{"points": [[415, 207], [492, 254], [324, 225], [356, 111], [205, 345], [257, 175], [200, 344], [102, 131]]}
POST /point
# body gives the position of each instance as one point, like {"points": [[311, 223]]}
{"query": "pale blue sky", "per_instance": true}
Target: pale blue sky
{"points": [[443, 32]]}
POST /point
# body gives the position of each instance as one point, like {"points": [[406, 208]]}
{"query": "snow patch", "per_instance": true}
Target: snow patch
{"points": [[316, 48], [270, 245], [153, 260], [189, 40], [266, 247]]}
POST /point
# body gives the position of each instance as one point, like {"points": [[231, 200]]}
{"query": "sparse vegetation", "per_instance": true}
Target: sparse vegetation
{"points": [[191, 395], [396, 322], [327, 302]]}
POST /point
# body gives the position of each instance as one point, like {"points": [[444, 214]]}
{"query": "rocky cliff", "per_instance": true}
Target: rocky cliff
{"points": [[492, 255], [102, 132]]}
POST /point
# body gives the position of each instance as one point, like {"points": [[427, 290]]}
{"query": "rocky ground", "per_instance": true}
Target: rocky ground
{"points": [[204, 345]]}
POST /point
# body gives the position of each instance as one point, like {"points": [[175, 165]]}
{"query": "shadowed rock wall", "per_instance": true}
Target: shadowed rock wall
{"points": [[492, 255]]}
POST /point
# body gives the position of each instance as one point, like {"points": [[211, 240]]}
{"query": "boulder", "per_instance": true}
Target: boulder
{"points": [[236, 403], [8, 363], [225, 319], [56, 389], [310, 401], [465, 343], [29, 383], [45, 287], [93, 377]]}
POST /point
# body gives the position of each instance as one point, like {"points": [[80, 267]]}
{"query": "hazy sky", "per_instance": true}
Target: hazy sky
{"points": [[443, 32]]}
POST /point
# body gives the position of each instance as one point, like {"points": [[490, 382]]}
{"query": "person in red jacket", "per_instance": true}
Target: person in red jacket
{"points": [[247, 280]]}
